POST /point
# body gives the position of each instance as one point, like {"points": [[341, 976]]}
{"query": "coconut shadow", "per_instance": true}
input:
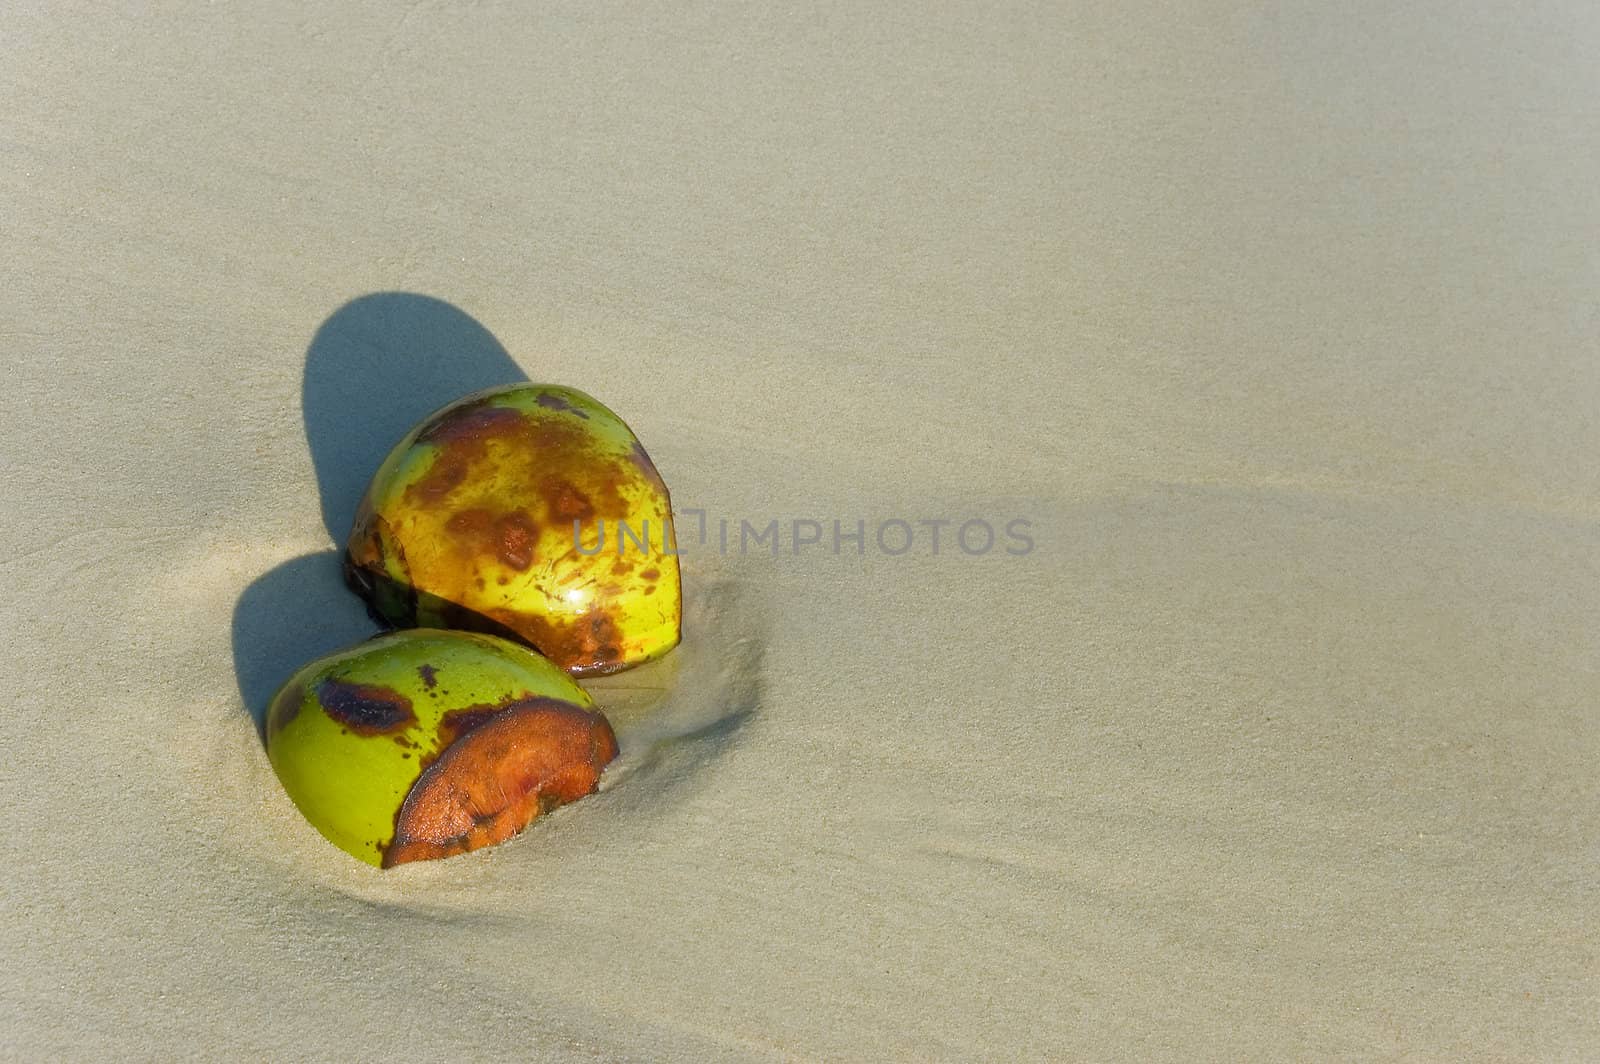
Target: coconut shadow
{"points": [[377, 366]]}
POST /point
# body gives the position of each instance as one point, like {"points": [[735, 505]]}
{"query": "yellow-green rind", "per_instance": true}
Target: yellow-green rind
{"points": [[489, 516], [349, 761]]}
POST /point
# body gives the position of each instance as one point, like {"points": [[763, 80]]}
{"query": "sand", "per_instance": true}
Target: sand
{"points": [[1277, 324]]}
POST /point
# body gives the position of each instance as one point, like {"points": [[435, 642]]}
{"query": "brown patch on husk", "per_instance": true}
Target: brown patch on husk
{"points": [[488, 785], [552, 456], [458, 722], [583, 646], [565, 501], [551, 401], [365, 709], [515, 540]]}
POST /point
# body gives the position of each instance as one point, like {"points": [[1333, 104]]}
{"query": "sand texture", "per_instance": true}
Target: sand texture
{"points": [[1278, 324]]}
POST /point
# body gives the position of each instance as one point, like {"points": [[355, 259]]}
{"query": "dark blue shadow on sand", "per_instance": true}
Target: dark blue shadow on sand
{"points": [[376, 367]]}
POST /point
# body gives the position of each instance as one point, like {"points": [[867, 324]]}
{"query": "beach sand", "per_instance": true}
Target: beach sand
{"points": [[1277, 326]]}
